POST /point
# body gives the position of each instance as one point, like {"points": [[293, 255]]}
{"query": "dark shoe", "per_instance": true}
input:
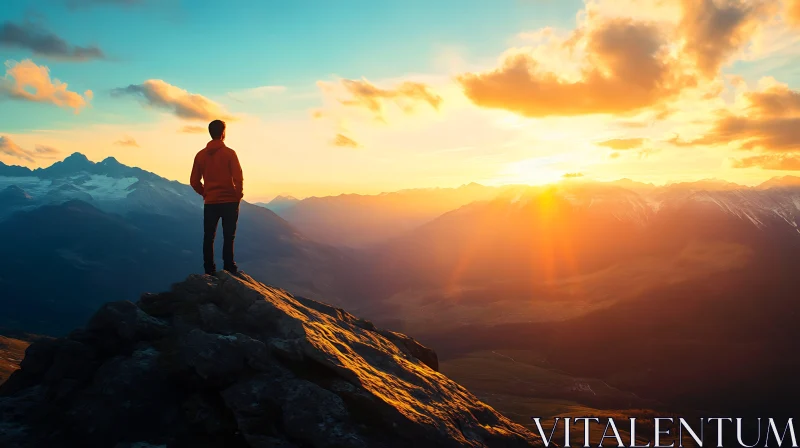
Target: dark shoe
{"points": [[232, 269]]}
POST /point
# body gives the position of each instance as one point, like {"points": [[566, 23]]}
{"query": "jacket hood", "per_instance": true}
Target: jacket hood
{"points": [[214, 146]]}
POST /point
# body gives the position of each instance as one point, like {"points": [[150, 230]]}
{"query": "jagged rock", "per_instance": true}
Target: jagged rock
{"points": [[230, 362]]}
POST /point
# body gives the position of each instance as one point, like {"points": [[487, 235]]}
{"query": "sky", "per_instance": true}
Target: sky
{"points": [[323, 98]]}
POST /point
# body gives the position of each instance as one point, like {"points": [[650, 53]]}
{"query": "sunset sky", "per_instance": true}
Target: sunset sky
{"points": [[356, 96]]}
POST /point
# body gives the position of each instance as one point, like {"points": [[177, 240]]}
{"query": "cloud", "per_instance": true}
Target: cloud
{"points": [[713, 30], [626, 67], [185, 105], [9, 148], [345, 142], [127, 141], [256, 93], [793, 12], [45, 152], [782, 162], [572, 175], [768, 121], [622, 144], [193, 130], [776, 100], [30, 82], [366, 95], [44, 43]]}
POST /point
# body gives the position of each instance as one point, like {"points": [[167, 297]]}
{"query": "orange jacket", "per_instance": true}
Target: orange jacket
{"points": [[219, 168]]}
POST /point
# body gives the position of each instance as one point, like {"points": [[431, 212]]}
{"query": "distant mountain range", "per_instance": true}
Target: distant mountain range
{"points": [[279, 203], [111, 230], [686, 293], [355, 220], [544, 241]]}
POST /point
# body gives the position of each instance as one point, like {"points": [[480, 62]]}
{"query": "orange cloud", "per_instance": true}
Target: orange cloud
{"points": [[345, 142], [162, 95], [775, 101], [45, 152], [770, 122], [793, 12], [572, 175], [9, 148], [30, 82], [714, 30], [127, 141], [622, 143], [782, 162], [627, 67], [193, 130], [406, 95]]}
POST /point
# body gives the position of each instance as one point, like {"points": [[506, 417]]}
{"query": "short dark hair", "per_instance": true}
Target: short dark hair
{"points": [[216, 128]]}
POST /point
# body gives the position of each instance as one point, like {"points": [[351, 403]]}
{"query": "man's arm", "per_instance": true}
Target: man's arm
{"points": [[197, 174], [238, 177]]}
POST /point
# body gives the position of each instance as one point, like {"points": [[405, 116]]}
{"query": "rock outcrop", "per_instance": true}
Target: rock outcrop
{"points": [[11, 353], [229, 362]]}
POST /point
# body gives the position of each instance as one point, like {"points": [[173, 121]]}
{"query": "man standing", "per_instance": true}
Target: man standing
{"points": [[222, 191]]}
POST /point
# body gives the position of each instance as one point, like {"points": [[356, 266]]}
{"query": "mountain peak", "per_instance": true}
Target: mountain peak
{"points": [[76, 157], [231, 360], [73, 164], [14, 195], [284, 198], [110, 161], [780, 181]]}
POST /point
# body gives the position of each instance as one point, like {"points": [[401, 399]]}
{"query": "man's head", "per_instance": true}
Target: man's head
{"points": [[217, 129]]}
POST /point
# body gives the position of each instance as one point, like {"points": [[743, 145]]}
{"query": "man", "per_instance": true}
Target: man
{"points": [[221, 188]]}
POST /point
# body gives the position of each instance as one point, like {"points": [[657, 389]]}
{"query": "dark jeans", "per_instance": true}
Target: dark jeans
{"points": [[229, 212]]}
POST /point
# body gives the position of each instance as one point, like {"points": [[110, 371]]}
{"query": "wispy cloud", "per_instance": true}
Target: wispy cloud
{"points": [[344, 142], [127, 141], [572, 175], [361, 93], [780, 162], [185, 105], [42, 42], [769, 120], [622, 144], [256, 93], [30, 82], [193, 130], [9, 148]]}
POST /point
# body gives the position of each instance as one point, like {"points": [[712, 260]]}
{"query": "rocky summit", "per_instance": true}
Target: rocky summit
{"points": [[229, 362]]}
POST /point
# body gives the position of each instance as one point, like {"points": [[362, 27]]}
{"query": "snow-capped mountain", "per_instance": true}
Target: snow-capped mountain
{"points": [[775, 202], [111, 229], [279, 203], [108, 185]]}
